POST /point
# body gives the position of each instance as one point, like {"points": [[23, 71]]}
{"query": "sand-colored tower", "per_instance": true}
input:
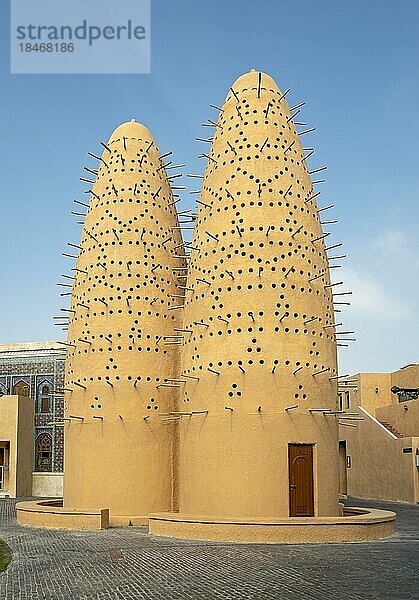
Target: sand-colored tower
{"points": [[119, 453], [259, 352], [202, 399]]}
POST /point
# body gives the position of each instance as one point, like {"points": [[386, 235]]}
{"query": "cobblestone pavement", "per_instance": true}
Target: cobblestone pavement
{"points": [[126, 563]]}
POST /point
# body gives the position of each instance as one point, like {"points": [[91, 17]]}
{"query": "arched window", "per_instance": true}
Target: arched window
{"points": [[21, 388], [45, 400], [43, 458]]}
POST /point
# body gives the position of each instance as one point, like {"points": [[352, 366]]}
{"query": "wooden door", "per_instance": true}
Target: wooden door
{"points": [[343, 483], [1, 467], [301, 488]]}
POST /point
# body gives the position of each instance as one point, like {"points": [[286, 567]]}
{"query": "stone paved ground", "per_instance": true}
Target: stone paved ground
{"points": [[124, 564]]}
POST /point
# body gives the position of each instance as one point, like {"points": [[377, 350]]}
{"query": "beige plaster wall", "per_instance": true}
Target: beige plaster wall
{"points": [[373, 391], [16, 427], [8, 440], [127, 464], [404, 417], [407, 377], [379, 468], [25, 447], [246, 472]]}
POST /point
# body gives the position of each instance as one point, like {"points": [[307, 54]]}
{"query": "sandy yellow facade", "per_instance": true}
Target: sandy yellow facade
{"points": [[380, 447], [16, 445], [259, 349], [119, 453], [372, 391]]}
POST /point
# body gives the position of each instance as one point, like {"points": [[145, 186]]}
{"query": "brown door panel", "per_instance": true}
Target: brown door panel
{"points": [[301, 488]]}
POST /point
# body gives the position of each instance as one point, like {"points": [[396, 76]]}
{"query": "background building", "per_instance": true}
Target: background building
{"points": [[16, 446], [379, 448], [36, 370]]}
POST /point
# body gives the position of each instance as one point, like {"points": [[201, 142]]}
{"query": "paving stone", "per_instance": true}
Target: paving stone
{"points": [[126, 563]]}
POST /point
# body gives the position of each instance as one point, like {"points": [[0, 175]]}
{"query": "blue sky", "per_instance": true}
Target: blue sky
{"points": [[354, 63]]}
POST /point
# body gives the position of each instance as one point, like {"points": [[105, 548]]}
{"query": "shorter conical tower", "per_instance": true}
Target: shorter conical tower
{"points": [[122, 358], [259, 358]]}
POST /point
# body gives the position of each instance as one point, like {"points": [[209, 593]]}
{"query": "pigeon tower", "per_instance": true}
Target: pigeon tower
{"points": [[259, 349], [123, 360]]}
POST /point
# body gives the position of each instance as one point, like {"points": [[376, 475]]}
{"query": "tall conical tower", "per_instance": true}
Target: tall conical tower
{"points": [[122, 357], [259, 356]]}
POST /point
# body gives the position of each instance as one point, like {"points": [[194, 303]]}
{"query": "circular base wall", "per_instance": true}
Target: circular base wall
{"points": [[356, 525], [52, 514]]}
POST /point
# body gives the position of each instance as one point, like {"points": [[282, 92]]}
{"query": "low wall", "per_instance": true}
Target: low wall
{"points": [[47, 485], [51, 514], [357, 524], [126, 520]]}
